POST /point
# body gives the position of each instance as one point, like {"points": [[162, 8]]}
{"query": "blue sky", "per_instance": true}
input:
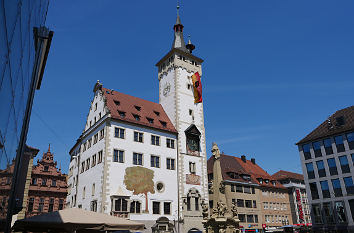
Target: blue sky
{"points": [[273, 70]]}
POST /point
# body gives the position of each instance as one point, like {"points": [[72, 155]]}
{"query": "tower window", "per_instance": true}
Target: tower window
{"points": [[192, 140], [190, 112], [189, 86], [192, 169]]}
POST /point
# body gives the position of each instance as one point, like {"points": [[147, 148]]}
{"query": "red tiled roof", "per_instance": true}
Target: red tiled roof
{"points": [[131, 105], [326, 129], [282, 175], [230, 163]]}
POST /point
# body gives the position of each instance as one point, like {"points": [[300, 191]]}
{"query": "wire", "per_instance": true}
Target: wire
{"points": [[50, 128]]}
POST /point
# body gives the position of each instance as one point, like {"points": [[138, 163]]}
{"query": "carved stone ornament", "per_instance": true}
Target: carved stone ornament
{"points": [[215, 151], [211, 188], [222, 187], [234, 210], [219, 210], [205, 210]]}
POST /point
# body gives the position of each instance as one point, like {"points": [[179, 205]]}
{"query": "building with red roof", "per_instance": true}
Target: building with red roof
{"points": [[45, 187], [143, 160], [260, 198]]}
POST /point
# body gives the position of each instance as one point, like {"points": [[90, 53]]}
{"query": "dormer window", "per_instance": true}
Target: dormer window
{"points": [[246, 177], [340, 121], [121, 114], [137, 107], [46, 168], [266, 181], [232, 175], [117, 102], [274, 182], [260, 180], [150, 120], [163, 123], [157, 113], [137, 117]]}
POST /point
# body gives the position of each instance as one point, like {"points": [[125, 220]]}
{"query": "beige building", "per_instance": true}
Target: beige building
{"points": [[261, 200], [300, 209], [276, 209]]}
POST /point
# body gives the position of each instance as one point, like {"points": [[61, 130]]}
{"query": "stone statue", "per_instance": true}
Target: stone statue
{"points": [[222, 187], [211, 188], [234, 210], [215, 151], [205, 210], [219, 210], [222, 230]]}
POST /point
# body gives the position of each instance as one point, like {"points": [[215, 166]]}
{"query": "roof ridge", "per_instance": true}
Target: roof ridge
{"points": [[131, 96]]}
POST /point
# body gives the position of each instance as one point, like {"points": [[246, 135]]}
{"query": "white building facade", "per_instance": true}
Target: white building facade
{"points": [[125, 168], [176, 96], [142, 160]]}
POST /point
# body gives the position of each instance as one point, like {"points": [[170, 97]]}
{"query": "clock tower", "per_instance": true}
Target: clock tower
{"points": [[176, 96]]}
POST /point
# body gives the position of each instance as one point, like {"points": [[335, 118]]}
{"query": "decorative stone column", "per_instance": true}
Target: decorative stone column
{"points": [[223, 218]]}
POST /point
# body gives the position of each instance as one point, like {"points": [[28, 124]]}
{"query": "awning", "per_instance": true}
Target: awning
{"points": [[74, 219]]}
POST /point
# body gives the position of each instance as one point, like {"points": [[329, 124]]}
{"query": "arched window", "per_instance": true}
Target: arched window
{"points": [[193, 200]]}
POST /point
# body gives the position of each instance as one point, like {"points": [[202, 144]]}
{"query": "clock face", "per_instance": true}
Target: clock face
{"points": [[166, 89]]}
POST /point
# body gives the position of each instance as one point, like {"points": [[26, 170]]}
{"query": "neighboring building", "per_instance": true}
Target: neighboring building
{"points": [[261, 200], [299, 204], [48, 187], [241, 189], [6, 181], [142, 160], [24, 47], [45, 187], [327, 156]]}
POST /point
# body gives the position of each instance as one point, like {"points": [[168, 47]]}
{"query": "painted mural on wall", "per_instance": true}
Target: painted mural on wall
{"points": [[139, 180], [192, 179]]}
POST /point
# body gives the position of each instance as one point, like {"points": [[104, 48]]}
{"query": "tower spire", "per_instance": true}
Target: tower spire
{"points": [[178, 41]]}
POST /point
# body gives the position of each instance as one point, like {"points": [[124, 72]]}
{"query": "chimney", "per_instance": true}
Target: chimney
{"points": [[253, 160], [243, 158]]}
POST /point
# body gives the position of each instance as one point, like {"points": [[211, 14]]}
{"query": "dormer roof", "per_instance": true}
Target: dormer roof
{"points": [[340, 122], [230, 163], [137, 111]]}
